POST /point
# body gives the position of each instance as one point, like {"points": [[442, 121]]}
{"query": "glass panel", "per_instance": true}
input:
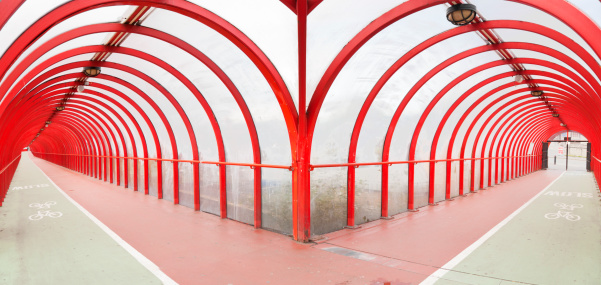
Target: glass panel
{"points": [[100, 15], [531, 54], [508, 10], [280, 43], [368, 194], [180, 133], [477, 174], [131, 174], [128, 126], [397, 188], [265, 110], [276, 189], [347, 96], [421, 186], [201, 125], [467, 167], [328, 200], [122, 150], [85, 40], [81, 57], [167, 179], [240, 194], [455, 178], [589, 7], [29, 12], [259, 97], [335, 22], [137, 117], [152, 178], [186, 184], [209, 188], [440, 181], [157, 123]]}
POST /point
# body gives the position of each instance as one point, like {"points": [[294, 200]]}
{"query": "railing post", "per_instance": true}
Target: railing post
{"points": [[301, 192]]}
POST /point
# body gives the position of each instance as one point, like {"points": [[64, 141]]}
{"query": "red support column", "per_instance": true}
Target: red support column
{"points": [[301, 182]]}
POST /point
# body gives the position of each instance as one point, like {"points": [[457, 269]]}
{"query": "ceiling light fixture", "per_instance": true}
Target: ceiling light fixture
{"points": [[461, 14], [91, 71], [536, 93]]}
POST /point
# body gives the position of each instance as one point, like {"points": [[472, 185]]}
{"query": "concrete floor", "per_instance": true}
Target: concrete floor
{"points": [[495, 236]]}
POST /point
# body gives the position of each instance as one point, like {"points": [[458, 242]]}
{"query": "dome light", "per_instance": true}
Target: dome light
{"points": [[555, 115], [519, 78], [91, 71], [461, 14], [536, 93], [60, 108], [82, 85]]}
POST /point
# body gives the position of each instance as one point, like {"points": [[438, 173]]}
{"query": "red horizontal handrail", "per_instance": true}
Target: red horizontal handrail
{"points": [[251, 165], [248, 164], [2, 171], [357, 164], [313, 166]]}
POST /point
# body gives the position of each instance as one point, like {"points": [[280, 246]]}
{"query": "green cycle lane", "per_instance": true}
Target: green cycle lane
{"points": [[46, 239], [556, 239]]}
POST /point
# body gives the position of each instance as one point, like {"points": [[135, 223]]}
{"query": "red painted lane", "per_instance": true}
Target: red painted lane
{"points": [[436, 234], [198, 248]]}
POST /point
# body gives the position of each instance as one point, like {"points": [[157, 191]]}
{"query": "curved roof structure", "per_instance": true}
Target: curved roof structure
{"points": [[301, 117]]}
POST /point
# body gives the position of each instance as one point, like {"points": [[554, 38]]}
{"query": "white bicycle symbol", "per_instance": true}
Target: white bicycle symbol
{"points": [[41, 214], [561, 214], [42, 206], [564, 206]]}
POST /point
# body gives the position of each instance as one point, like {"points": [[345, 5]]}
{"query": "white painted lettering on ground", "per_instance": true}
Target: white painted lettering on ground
{"points": [[30, 186], [569, 194]]}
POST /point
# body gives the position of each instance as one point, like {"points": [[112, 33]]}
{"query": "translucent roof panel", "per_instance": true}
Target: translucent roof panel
{"points": [[238, 68], [329, 32], [25, 16], [508, 10], [95, 16]]}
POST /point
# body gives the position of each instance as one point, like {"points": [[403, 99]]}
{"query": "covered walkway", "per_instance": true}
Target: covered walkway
{"points": [[307, 141], [538, 229]]}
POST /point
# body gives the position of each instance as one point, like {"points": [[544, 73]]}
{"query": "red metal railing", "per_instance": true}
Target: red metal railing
{"points": [[390, 163], [9, 164], [312, 166], [251, 165], [6, 178]]}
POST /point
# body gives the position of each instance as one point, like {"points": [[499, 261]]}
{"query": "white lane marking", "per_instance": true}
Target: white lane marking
{"points": [[136, 254], [30, 186], [461, 256]]}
